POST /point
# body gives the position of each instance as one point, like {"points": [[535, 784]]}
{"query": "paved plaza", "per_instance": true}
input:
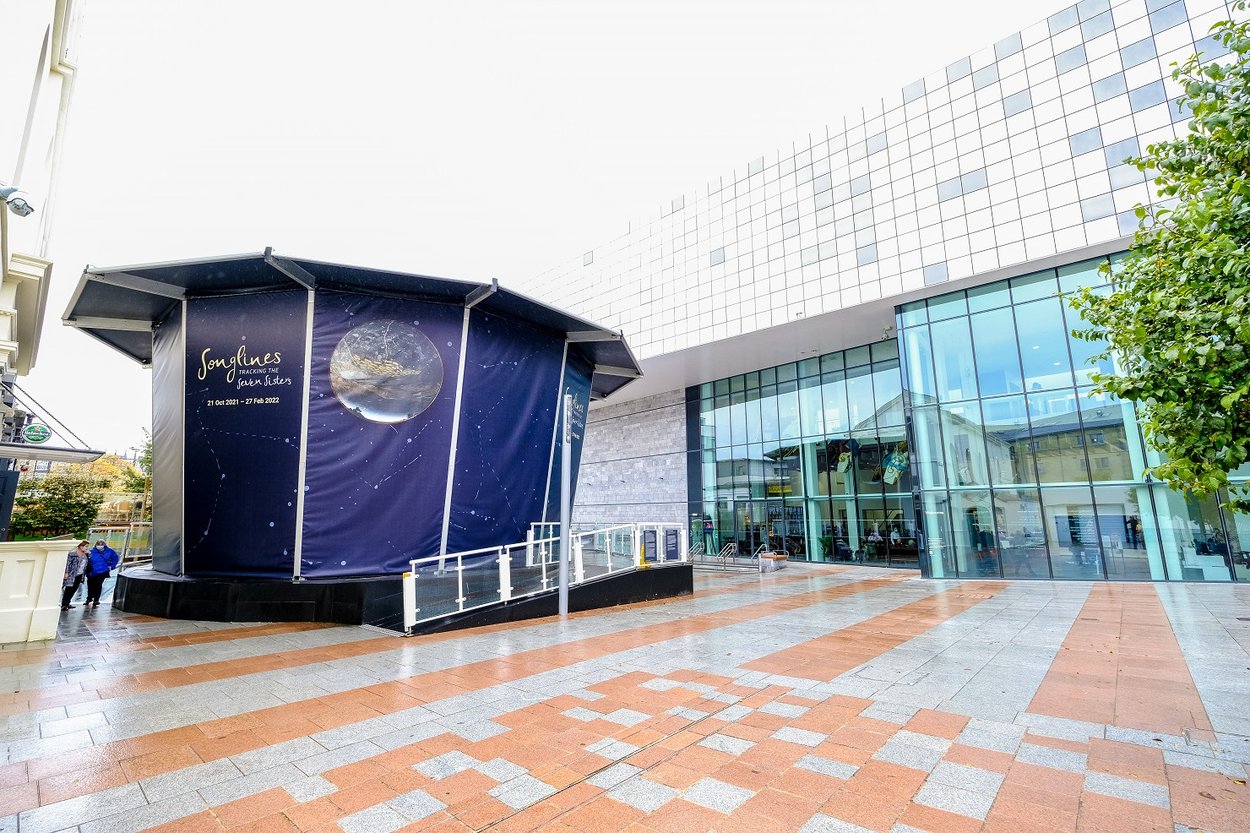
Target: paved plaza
{"points": [[820, 699]]}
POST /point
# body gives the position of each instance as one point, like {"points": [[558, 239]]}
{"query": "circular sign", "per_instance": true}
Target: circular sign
{"points": [[36, 433]]}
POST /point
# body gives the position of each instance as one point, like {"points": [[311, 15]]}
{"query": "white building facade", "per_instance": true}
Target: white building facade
{"points": [[822, 331]]}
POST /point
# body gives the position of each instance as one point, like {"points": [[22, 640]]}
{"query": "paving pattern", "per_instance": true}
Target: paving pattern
{"points": [[819, 699]]}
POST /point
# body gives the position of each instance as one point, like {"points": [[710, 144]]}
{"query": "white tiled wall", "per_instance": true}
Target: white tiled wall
{"points": [[1004, 156]]}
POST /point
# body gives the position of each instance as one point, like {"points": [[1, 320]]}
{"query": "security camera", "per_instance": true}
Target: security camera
{"points": [[16, 200]]}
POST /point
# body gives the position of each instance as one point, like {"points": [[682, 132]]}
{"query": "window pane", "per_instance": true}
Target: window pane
{"points": [[992, 296], [833, 403], [1191, 534], [1072, 533], [768, 413], [955, 374], [1107, 441], [918, 354], [887, 386], [811, 418], [963, 441], [753, 417], [1007, 441], [788, 411], [859, 399], [976, 551], [928, 452], [1058, 442], [998, 363], [1043, 345], [1021, 542], [1130, 553]]}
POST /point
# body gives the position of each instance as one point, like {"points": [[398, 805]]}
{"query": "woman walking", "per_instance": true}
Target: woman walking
{"points": [[75, 564]]}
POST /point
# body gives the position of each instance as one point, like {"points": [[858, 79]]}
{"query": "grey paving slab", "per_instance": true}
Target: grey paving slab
{"points": [[726, 743], [783, 709], [968, 778], [1127, 788], [446, 765], [583, 714], [82, 810], [827, 766], [626, 717], [642, 794], [501, 770], [307, 789], [954, 800], [1232, 769], [169, 784], [244, 786], [1054, 758], [803, 737], [152, 815], [613, 750], [416, 805], [522, 791], [717, 795], [376, 819], [608, 778], [821, 823]]}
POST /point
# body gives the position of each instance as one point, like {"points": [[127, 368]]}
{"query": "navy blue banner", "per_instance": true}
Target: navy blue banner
{"points": [[577, 373], [243, 398], [512, 371], [382, 396]]}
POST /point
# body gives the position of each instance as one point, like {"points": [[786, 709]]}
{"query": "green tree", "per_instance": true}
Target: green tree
{"points": [[60, 503], [141, 480], [1176, 317]]}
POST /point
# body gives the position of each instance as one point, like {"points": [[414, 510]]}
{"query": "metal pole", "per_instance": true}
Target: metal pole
{"points": [[566, 504]]}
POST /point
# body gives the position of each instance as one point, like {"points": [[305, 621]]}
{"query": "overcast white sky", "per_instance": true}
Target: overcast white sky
{"points": [[471, 140]]}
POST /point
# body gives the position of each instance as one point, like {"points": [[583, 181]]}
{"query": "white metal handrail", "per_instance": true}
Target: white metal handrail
{"points": [[489, 575]]}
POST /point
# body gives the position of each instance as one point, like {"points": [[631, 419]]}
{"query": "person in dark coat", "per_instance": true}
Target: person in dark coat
{"points": [[75, 564], [100, 564]]}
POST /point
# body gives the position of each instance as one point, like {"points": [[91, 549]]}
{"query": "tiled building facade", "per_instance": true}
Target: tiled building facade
{"points": [[1008, 162]]}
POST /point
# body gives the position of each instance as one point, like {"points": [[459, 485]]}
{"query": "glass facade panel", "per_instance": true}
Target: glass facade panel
{"points": [[1043, 338], [1007, 441], [971, 446], [954, 368], [1021, 542], [1057, 443], [997, 358]]}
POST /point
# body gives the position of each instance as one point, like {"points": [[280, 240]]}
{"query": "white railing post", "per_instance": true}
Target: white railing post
{"points": [[460, 581], [505, 574], [529, 547], [635, 538], [579, 566], [410, 599]]}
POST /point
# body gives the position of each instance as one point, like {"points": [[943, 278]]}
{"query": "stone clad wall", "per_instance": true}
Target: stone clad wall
{"points": [[633, 466]]}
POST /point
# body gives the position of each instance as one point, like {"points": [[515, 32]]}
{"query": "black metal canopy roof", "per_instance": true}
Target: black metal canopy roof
{"points": [[119, 306]]}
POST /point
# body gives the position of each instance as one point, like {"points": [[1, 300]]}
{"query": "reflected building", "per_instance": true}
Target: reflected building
{"points": [[858, 349]]}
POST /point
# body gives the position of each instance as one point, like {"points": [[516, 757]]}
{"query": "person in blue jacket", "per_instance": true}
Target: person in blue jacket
{"points": [[100, 564]]}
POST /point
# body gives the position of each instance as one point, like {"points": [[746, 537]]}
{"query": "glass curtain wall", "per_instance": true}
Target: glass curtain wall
{"points": [[809, 459], [1022, 470]]}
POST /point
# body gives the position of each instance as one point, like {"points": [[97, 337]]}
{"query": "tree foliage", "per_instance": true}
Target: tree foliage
{"points": [[1177, 316], [60, 503]]}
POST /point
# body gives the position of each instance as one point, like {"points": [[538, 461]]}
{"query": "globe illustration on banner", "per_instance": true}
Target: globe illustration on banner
{"points": [[386, 371]]}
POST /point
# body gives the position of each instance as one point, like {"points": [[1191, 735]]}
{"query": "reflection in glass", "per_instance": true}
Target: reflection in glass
{"points": [[1021, 541], [955, 373], [1058, 443], [964, 445], [1043, 345], [1238, 526], [1194, 548], [1072, 533], [811, 416], [1106, 440], [887, 385], [861, 408], [998, 363], [1007, 441], [787, 411], [919, 352], [928, 450], [1130, 553], [976, 549]]}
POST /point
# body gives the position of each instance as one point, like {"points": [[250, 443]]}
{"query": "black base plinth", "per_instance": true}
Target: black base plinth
{"points": [[371, 601], [606, 591]]}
